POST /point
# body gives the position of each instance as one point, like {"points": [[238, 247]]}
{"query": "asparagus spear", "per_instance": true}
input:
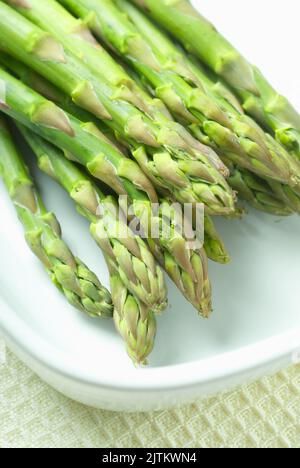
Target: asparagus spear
{"points": [[214, 245], [290, 197], [186, 267], [178, 86], [259, 98], [165, 153], [101, 159], [260, 194], [133, 320], [42, 231], [186, 264], [42, 86], [133, 262]]}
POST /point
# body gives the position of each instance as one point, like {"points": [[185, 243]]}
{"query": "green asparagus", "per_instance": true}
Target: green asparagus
{"points": [[257, 192], [186, 267], [259, 98], [127, 258], [186, 264], [254, 142], [213, 243], [80, 40], [265, 195], [133, 262], [164, 152], [39, 84], [260, 194], [70, 30], [280, 196], [133, 320], [280, 200], [174, 82], [290, 197], [42, 231], [101, 159]]}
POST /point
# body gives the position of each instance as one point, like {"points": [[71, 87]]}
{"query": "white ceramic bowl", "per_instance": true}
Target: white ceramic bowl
{"points": [[255, 328]]}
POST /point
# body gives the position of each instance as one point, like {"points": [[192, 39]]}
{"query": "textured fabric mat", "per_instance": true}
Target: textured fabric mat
{"points": [[264, 414]]}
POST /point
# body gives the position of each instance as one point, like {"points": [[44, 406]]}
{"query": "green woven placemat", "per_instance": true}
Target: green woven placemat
{"points": [[262, 414]]}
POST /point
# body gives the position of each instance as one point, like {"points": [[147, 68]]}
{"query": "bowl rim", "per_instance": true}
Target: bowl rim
{"points": [[174, 377]]}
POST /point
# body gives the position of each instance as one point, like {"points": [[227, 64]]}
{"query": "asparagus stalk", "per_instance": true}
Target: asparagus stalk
{"points": [[261, 195], [165, 152], [173, 80], [133, 262], [290, 197], [259, 98], [186, 267], [100, 158], [213, 243], [42, 86], [133, 320], [186, 264], [80, 286]]}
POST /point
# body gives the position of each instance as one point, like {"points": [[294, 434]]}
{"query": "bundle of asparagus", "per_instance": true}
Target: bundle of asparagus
{"points": [[209, 109], [134, 275], [188, 134], [214, 245], [175, 161], [173, 80], [186, 267], [258, 97], [133, 262]]}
